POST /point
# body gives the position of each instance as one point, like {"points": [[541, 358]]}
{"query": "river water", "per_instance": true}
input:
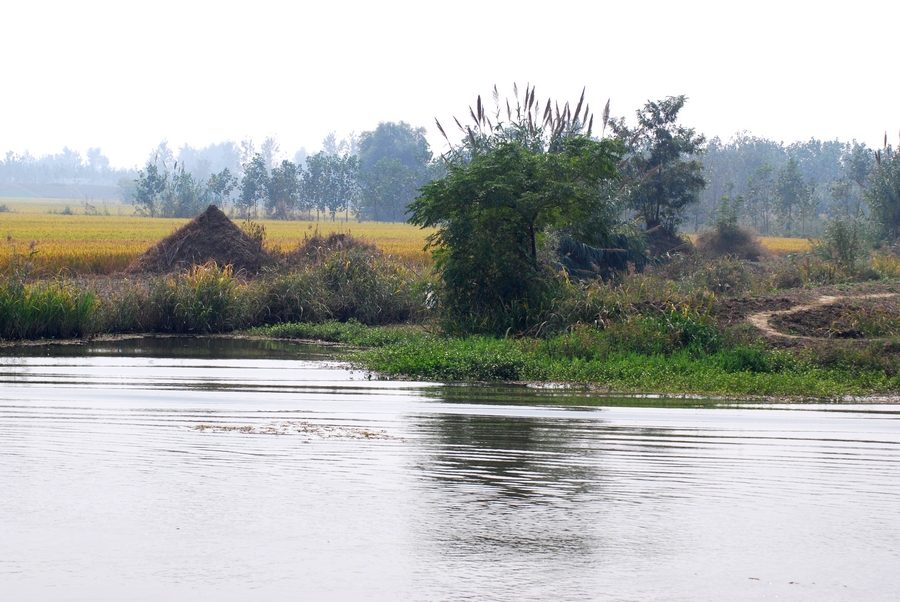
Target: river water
{"points": [[211, 469]]}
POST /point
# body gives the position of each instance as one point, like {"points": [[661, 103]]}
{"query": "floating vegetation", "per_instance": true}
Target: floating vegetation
{"points": [[300, 427]]}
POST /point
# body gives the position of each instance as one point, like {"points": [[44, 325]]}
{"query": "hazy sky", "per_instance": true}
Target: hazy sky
{"points": [[125, 75]]}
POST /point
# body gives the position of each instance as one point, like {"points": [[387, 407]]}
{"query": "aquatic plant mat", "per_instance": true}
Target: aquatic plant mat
{"points": [[300, 427]]}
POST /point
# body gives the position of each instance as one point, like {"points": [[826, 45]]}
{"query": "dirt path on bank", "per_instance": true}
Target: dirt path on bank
{"points": [[761, 319]]}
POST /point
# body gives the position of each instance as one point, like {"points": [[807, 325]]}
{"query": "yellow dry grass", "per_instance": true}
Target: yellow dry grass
{"points": [[402, 241], [785, 245], [105, 244], [75, 206]]}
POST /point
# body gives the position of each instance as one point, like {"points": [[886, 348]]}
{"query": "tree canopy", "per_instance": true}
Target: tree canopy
{"points": [[394, 161], [662, 170], [883, 193], [509, 185]]}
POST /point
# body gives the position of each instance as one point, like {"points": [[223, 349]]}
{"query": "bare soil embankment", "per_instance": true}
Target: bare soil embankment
{"points": [[813, 317]]}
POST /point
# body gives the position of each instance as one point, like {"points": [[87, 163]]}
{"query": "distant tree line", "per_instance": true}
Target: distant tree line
{"points": [[786, 190], [66, 167], [775, 188], [374, 176]]}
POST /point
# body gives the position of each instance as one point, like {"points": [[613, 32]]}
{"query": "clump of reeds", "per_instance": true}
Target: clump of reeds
{"points": [[343, 283], [206, 299], [41, 309]]}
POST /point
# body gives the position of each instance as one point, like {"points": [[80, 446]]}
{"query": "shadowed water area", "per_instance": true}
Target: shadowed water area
{"points": [[217, 469]]}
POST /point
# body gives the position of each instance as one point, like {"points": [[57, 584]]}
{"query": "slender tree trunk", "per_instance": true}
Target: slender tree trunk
{"points": [[533, 244]]}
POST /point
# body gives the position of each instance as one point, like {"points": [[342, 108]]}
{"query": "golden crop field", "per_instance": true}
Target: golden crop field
{"points": [[785, 245], [104, 244], [778, 245], [91, 244]]}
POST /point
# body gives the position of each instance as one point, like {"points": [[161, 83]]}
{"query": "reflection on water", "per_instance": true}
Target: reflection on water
{"points": [[209, 347], [138, 471]]}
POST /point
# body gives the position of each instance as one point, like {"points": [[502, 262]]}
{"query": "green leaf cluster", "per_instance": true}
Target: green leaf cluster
{"points": [[493, 212]]}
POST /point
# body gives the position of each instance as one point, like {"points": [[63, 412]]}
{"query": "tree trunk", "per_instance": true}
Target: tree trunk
{"points": [[533, 244]]}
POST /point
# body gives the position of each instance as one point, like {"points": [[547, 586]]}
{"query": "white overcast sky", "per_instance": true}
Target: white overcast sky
{"points": [[125, 75]]}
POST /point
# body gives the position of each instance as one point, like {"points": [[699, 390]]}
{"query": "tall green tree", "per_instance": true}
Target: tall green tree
{"points": [[220, 187], [507, 186], [793, 196], [254, 187], [760, 197], [662, 168], [283, 190], [164, 193], [882, 193], [394, 161], [329, 183], [149, 190]]}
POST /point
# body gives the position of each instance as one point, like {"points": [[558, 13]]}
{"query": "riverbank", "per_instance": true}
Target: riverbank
{"points": [[646, 353], [797, 326]]}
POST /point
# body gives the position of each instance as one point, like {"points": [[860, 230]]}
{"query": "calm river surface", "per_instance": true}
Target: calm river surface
{"points": [[175, 469]]}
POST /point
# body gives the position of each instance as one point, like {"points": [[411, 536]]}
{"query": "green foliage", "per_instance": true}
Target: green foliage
{"points": [[387, 189], [220, 186], [591, 355], [344, 282], [176, 194], [350, 332], [394, 161], [663, 177], [205, 300], [362, 286], [149, 189], [491, 213], [396, 141], [761, 197], [793, 198], [254, 186], [475, 358], [283, 190], [329, 183], [842, 244], [294, 297], [45, 310], [883, 194], [509, 187]]}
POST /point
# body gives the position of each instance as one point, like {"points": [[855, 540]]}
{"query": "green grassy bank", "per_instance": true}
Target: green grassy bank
{"points": [[677, 328], [611, 362]]}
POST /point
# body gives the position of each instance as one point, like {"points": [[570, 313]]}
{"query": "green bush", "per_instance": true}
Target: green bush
{"points": [[353, 283], [350, 332], [45, 310], [841, 245], [208, 299], [474, 358]]}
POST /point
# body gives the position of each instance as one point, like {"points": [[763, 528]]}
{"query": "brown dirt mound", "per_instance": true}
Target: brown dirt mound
{"points": [[662, 242], [210, 236], [317, 246], [738, 242]]}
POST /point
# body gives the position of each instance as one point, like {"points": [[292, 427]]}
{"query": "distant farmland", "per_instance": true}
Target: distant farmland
{"points": [[105, 244]]}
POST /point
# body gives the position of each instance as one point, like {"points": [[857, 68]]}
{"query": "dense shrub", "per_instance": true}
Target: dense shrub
{"points": [[206, 299], [45, 310], [343, 282], [739, 242]]}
